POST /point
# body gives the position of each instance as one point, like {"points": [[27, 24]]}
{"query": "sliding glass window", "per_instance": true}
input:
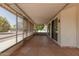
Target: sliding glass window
{"points": [[19, 29], [7, 29], [28, 34], [25, 28], [13, 29]]}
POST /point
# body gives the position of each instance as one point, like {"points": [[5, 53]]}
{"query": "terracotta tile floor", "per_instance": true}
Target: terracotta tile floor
{"points": [[40, 45]]}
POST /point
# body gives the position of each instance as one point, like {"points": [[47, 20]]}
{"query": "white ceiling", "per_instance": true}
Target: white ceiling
{"points": [[41, 13]]}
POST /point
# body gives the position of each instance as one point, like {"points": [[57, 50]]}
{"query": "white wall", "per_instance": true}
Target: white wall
{"points": [[68, 27]]}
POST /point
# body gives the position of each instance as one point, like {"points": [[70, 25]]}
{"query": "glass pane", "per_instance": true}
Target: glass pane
{"points": [[20, 29], [25, 29], [7, 29], [28, 33]]}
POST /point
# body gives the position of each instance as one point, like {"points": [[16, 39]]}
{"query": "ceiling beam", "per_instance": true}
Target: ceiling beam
{"points": [[25, 14], [13, 9], [3, 6], [58, 12]]}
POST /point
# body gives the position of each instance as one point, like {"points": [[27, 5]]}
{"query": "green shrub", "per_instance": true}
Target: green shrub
{"points": [[39, 27], [4, 24]]}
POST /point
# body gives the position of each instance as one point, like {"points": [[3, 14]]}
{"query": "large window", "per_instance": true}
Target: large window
{"points": [[25, 28], [7, 29], [31, 28], [19, 29], [28, 30], [13, 29]]}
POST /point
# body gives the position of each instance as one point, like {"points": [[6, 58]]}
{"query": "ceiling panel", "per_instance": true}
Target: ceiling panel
{"points": [[41, 13]]}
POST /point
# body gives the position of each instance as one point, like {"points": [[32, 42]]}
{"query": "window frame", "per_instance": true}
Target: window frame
{"points": [[16, 30]]}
